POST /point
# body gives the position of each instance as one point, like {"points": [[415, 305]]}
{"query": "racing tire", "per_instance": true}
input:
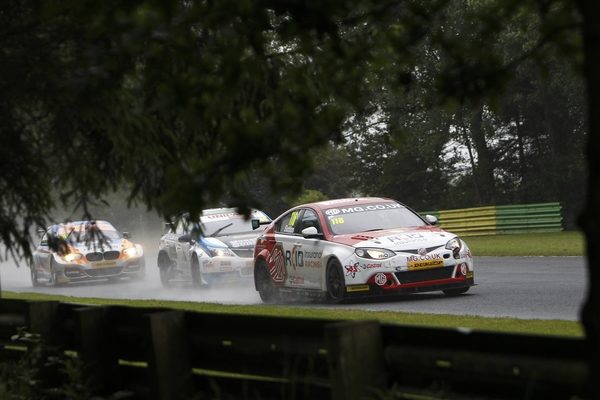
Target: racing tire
{"points": [[53, 274], [195, 272], [165, 268], [264, 285], [455, 292], [34, 276], [335, 282]]}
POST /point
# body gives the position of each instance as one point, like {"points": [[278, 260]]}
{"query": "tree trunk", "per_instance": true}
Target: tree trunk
{"points": [[590, 218], [485, 170]]}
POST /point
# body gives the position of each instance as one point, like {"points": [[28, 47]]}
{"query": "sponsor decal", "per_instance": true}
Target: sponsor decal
{"points": [[104, 264], [242, 243], [463, 269], [435, 263], [356, 209], [219, 217], [426, 261], [225, 263], [434, 256], [357, 288], [298, 258], [405, 238], [370, 266], [351, 270], [380, 279], [276, 263], [470, 274]]}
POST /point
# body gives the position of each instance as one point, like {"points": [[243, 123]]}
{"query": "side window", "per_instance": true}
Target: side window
{"points": [[44, 241], [288, 223], [309, 218], [180, 228]]}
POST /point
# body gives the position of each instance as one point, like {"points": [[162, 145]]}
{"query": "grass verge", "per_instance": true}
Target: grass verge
{"points": [[567, 243], [507, 325]]}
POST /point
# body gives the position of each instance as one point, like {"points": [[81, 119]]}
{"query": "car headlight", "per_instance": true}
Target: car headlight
{"points": [[130, 252], [374, 253], [454, 244], [72, 257], [220, 252]]}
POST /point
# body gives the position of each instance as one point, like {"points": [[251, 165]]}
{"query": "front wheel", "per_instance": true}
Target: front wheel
{"points": [[336, 283], [34, 276], [196, 273], [264, 285], [53, 274], [165, 267]]}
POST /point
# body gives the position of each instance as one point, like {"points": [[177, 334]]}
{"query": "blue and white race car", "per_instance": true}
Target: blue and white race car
{"points": [[221, 253]]}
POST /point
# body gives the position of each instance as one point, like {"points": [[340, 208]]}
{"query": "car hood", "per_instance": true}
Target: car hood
{"points": [[245, 240], [399, 239]]}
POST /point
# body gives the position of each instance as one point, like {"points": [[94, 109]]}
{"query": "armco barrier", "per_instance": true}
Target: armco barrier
{"points": [[492, 220], [154, 353]]}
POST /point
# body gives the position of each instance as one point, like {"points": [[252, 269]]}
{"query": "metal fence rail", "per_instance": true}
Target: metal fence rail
{"points": [[154, 353], [492, 220]]}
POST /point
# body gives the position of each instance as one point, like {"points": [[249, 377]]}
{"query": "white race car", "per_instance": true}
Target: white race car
{"points": [[222, 253], [84, 251], [356, 247]]}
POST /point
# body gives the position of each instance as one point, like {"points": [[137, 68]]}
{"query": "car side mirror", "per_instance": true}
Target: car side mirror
{"points": [[311, 232], [187, 238], [256, 223], [431, 219]]}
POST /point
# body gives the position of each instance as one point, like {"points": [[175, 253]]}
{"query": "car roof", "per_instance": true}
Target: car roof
{"points": [[346, 202]]}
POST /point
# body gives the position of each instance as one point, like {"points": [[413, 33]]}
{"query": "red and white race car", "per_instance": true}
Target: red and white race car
{"points": [[358, 246]]}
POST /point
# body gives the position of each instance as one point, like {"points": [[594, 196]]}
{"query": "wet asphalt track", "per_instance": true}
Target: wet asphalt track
{"points": [[520, 287]]}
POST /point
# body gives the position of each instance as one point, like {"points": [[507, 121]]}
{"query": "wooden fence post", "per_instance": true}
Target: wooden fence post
{"points": [[168, 359], [96, 349], [43, 320], [356, 363]]}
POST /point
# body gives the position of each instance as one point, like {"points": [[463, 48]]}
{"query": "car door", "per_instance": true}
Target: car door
{"points": [[43, 254], [294, 248], [308, 250]]}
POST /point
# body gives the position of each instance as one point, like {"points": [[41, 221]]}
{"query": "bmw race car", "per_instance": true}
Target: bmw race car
{"points": [[221, 253], [84, 251], [356, 247]]}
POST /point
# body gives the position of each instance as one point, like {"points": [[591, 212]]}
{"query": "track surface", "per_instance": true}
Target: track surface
{"points": [[519, 287]]}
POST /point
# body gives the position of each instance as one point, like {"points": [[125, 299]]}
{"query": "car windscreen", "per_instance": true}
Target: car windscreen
{"points": [[82, 231], [229, 223], [370, 217]]}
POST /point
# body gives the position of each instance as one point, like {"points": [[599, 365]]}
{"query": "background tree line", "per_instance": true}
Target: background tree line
{"points": [[524, 145]]}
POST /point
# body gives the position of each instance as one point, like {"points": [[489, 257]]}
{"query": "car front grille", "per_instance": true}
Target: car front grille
{"points": [[425, 274], [98, 256], [246, 253]]}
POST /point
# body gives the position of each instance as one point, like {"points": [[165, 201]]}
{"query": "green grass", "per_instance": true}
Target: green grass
{"points": [[508, 325], [568, 243]]}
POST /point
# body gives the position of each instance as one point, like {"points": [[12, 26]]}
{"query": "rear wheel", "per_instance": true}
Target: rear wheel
{"points": [[264, 285], [34, 276], [455, 292], [336, 283], [165, 267]]}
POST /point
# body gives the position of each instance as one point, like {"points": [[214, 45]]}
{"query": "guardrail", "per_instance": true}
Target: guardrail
{"points": [[493, 220], [154, 353]]}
